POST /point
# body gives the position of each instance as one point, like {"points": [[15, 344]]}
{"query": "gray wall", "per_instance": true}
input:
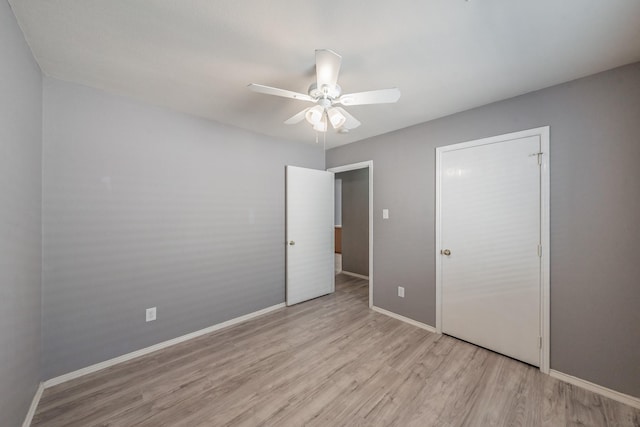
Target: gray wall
{"points": [[20, 242], [355, 221], [146, 207], [595, 211]]}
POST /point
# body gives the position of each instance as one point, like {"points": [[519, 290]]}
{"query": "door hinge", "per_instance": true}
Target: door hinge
{"points": [[539, 251], [539, 155], [539, 342]]}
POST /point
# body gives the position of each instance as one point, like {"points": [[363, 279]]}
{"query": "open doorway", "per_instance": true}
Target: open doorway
{"points": [[354, 227]]}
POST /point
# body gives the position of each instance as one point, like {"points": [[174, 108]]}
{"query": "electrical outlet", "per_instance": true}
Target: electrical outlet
{"points": [[400, 291], [151, 314]]}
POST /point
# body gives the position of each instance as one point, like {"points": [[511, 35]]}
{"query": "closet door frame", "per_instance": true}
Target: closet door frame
{"points": [[543, 133]]}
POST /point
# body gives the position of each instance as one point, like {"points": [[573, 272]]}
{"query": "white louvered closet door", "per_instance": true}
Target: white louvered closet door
{"points": [[309, 234], [490, 219]]}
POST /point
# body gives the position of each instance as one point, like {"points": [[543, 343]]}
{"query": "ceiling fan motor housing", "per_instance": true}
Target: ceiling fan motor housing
{"points": [[326, 91]]}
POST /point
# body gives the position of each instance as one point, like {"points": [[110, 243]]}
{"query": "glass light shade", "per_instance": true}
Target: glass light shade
{"points": [[336, 118], [314, 114], [321, 126]]}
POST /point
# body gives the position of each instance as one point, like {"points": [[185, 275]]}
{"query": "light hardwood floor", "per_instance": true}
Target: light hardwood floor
{"points": [[326, 362]]}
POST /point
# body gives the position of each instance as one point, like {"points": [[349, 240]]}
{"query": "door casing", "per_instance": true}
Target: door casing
{"points": [[545, 297]]}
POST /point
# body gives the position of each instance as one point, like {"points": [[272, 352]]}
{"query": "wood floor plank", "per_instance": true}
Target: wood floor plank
{"points": [[327, 362]]}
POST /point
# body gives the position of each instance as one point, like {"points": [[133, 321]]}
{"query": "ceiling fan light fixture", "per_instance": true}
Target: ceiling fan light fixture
{"points": [[314, 114], [336, 118], [321, 126], [326, 94]]}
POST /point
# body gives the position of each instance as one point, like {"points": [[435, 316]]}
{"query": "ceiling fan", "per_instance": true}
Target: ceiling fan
{"points": [[327, 95]]}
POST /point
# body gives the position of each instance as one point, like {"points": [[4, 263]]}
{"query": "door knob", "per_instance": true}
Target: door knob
{"points": [[446, 252], [292, 243]]}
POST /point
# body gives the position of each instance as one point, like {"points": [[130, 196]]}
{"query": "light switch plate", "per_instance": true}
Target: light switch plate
{"points": [[385, 213]]}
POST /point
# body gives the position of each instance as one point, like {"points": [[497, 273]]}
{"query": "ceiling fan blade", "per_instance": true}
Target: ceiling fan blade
{"points": [[351, 122], [279, 92], [327, 67], [297, 118], [382, 96]]}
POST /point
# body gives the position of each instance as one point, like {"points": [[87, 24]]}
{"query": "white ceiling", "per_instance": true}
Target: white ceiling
{"points": [[446, 56]]}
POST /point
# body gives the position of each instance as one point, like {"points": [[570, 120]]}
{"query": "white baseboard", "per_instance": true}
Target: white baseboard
{"points": [[603, 391], [360, 276], [34, 406], [125, 357], [404, 319]]}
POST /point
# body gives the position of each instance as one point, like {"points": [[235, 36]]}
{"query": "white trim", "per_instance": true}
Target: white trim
{"points": [[404, 319], [545, 241], [361, 276], [350, 167], [125, 357], [545, 297], [603, 391], [34, 405], [438, 226]]}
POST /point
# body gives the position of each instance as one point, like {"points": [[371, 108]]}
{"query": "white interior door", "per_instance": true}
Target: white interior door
{"points": [[490, 236], [310, 234]]}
